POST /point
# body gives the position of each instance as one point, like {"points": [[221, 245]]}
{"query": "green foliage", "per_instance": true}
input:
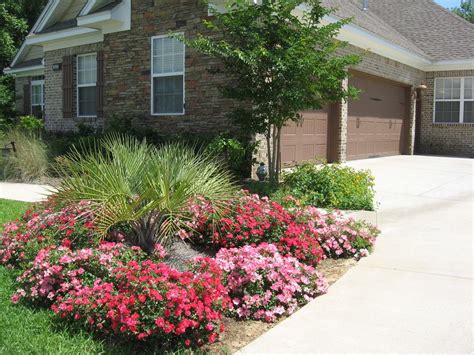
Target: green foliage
{"points": [[281, 63], [131, 181], [465, 10], [31, 123], [330, 186], [30, 161], [235, 153]]}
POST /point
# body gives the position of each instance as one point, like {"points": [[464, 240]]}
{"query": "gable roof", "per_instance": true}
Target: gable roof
{"points": [[420, 26]]}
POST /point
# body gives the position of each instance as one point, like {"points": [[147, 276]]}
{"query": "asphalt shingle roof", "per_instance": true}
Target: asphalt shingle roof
{"points": [[421, 26]]}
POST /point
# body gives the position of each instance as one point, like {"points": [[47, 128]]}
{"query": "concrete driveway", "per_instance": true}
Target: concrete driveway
{"points": [[414, 294], [24, 192]]}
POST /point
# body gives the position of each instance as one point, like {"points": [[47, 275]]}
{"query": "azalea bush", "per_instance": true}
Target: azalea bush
{"points": [[264, 285]]}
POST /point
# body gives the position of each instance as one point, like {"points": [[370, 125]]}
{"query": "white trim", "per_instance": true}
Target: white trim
{"points": [[88, 7], [183, 73], [27, 71], [41, 84], [59, 35], [45, 15], [84, 85], [461, 100]]}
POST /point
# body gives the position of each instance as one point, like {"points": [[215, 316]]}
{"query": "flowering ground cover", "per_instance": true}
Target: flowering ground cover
{"points": [[266, 265]]}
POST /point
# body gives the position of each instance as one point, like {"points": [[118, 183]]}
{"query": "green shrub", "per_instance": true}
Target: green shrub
{"points": [[330, 186], [29, 162], [31, 123], [236, 154]]}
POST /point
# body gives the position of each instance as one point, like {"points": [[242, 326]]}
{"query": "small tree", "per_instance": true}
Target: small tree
{"points": [[465, 10], [282, 60]]}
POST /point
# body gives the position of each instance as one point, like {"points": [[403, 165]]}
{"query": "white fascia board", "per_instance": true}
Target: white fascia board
{"points": [[113, 20], [29, 71], [68, 42], [446, 65], [59, 35], [88, 7], [45, 15]]}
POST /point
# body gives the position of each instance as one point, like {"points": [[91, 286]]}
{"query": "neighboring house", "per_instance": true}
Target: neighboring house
{"points": [[87, 61]]}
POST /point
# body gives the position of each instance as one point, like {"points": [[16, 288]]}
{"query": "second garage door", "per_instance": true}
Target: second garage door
{"points": [[376, 122]]}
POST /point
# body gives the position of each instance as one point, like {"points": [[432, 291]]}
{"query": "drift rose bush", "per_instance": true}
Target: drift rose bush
{"points": [[265, 285], [59, 270], [251, 220], [143, 300], [339, 236], [21, 240]]}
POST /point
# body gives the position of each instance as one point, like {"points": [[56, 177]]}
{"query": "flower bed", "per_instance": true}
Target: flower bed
{"points": [[264, 268]]}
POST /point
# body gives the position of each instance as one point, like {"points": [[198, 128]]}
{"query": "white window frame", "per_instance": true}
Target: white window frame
{"points": [[83, 85], [41, 84], [153, 76], [461, 100]]}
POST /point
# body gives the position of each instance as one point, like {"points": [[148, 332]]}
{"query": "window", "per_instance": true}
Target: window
{"points": [[454, 100], [167, 76], [37, 97], [86, 85]]}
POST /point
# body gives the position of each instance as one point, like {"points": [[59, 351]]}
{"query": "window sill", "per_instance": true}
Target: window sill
{"points": [[452, 124]]}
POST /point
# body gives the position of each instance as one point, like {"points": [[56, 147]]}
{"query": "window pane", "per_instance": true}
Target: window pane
{"points": [[168, 96], [447, 112], [87, 69], [469, 112], [168, 56], [87, 101], [440, 89], [469, 88]]}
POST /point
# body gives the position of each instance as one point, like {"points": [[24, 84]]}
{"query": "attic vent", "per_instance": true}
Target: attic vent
{"points": [[365, 5]]}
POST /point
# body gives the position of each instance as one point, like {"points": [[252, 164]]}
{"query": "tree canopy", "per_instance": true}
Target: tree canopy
{"points": [[282, 61], [465, 10]]}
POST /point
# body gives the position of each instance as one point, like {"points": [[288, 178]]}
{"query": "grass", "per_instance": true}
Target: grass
{"points": [[27, 330]]}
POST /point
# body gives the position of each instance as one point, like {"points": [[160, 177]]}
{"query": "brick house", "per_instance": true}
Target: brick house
{"points": [[86, 61]]}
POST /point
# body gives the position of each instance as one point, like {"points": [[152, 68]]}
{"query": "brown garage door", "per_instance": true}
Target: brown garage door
{"points": [[305, 141], [376, 122]]}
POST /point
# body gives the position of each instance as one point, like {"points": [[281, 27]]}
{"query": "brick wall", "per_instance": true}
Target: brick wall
{"points": [[128, 67], [53, 91], [454, 139]]}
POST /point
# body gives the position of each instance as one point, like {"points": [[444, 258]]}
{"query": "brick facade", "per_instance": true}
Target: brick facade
{"points": [[454, 139], [127, 89], [128, 67]]}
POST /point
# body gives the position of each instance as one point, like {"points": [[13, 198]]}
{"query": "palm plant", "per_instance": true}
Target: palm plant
{"points": [[129, 181]]}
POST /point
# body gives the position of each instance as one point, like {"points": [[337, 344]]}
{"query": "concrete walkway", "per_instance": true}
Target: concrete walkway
{"points": [[414, 294], [23, 192]]}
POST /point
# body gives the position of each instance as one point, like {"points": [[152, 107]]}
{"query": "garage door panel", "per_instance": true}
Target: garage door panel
{"points": [[307, 140], [375, 121]]}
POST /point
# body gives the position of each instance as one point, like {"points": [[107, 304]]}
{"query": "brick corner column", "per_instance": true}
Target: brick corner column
{"points": [[342, 111], [412, 123]]}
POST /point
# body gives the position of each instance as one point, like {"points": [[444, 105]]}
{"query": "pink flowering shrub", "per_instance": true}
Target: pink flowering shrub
{"points": [[22, 239], [146, 300], [251, 220], [57, 270], [265, 285], [339, 236]]}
